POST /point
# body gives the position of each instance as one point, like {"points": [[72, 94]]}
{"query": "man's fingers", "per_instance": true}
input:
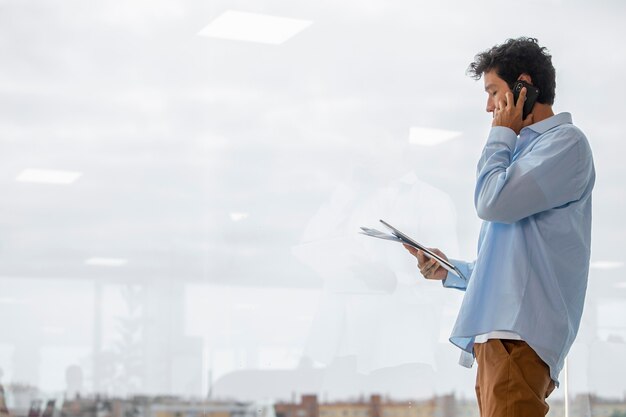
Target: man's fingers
{"points": [[430, 269], [440, 253], [509, 98], [410, 249], [501, 105], [521, 99], [421, 258], [427, 264]]}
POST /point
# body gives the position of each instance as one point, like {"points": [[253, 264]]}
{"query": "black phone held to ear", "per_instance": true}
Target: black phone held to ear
{"points": [[532, 93]]}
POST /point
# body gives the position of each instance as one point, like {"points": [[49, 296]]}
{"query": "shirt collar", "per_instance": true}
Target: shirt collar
{"points": [[552, 121]]}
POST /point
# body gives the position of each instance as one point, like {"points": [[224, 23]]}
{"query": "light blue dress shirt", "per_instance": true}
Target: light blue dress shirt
{"points": [[530, 276]]}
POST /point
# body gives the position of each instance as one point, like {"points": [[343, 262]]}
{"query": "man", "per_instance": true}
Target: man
{"points": [[525, 291]]}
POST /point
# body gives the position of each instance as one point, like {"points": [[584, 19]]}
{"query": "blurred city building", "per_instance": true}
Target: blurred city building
{"points": [[309, 405], [377, 406]]}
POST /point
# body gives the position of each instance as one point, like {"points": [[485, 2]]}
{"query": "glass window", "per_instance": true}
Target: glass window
{"points": [[183, 186]]}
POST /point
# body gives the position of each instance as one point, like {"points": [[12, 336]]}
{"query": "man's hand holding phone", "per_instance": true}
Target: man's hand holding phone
{"points": [[509, 114], [429, 268]]}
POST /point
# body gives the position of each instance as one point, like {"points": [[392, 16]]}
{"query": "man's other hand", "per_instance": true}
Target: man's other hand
{"points": [[430, 268]]}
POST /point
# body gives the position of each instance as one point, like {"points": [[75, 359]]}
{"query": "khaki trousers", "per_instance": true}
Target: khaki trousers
{"points": [[511, 381]]}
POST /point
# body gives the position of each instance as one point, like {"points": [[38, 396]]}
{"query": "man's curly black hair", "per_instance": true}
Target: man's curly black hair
{"points": [[515, 57]]}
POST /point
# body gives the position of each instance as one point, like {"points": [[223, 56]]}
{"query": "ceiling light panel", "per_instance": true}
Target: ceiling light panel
{"points": [[111, 262], [253, 27], [238, 216], [48, 176], [431, 137]]}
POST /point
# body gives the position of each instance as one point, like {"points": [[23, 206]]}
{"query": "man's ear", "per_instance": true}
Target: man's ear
{"points": [[525, 77]]}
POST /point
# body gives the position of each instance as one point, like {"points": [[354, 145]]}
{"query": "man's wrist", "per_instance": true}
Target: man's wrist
{"points": [[502, 135]]}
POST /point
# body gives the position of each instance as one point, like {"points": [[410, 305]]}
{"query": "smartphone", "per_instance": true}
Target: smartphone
{"points": [[531, 96]]}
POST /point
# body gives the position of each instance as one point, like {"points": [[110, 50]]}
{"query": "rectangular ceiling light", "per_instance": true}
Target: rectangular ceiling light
{"points": [[253, 27], [48, 176], [431, 137], [10, 300], [106, 262], [238, 216]]}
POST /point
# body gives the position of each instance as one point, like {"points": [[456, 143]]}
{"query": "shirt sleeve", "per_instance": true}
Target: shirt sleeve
{"points": [[452, 281], [552, 174]]}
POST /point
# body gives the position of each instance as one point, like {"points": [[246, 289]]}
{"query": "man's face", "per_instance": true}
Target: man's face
{"points": [[496, 89]]}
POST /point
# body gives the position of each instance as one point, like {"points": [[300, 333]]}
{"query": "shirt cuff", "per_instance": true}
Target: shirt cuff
{"points": [[452, 280]]}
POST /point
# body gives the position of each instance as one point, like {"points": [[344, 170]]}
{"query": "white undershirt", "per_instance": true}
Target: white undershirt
{"points": [[498, 334]]}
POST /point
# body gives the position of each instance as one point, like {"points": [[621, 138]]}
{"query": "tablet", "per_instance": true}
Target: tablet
{"points": [[405, 239]]}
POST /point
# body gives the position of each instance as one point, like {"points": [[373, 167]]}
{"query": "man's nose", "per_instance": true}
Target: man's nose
{"points": [[490, 106]]}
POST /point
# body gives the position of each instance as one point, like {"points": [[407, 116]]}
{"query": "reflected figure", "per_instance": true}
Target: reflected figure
{"points": [[374, 313]]}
